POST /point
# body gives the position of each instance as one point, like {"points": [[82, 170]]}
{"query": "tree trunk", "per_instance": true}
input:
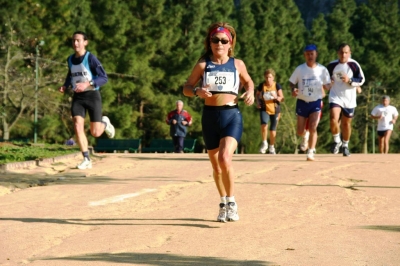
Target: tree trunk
{"points": [[366, 114]]}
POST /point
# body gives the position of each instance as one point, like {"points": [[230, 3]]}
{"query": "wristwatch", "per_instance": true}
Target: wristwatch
{"points": [[91, 83], [350, 81], [195, 90]]}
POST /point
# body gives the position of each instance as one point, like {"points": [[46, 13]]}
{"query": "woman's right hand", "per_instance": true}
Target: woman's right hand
{"points": [[203, 92], [62, 89]]}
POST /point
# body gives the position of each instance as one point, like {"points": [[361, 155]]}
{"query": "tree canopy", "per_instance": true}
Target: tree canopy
{"points": [[148, 49]]}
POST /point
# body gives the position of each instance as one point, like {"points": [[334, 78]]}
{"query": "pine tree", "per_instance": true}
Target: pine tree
{"points": [[273, 37], [375, 27], [340, 23]]}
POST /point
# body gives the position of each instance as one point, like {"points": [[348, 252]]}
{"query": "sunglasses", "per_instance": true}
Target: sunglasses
{"points": [[217, 40]]}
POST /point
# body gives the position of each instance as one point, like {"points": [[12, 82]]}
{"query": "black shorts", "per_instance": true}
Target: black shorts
{"points": [[219, 122], [381, 133], [89, 101]]}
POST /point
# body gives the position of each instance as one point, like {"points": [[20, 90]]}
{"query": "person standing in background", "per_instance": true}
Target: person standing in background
{"points": [[178, 120]]}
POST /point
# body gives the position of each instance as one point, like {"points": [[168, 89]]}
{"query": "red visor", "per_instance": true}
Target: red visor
{"points": [[223, 30]]}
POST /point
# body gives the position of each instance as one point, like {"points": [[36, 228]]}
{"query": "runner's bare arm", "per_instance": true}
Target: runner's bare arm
{"points": [[194, 78], [247, 82]]}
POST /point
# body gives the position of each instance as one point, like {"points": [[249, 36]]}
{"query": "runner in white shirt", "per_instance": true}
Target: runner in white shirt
{"points": [[306, 82], [346, 75], [386, 115]]}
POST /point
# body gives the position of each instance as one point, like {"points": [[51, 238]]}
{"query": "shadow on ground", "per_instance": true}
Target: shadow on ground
{"points": [[350, 186], [393, 228], [158, 259], [127, 221], [21, 181]]}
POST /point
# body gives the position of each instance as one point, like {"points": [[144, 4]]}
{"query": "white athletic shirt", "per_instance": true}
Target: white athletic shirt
{"points": [[389, 113], [309, 81], [341, 92]]}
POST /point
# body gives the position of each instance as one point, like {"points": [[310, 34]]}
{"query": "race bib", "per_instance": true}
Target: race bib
{"points": [[311, 87], [221, 81], [337, 76], [269, 95]]}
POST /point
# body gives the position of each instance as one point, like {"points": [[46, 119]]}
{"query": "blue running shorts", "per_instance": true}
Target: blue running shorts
{"points": [[219, 122]]}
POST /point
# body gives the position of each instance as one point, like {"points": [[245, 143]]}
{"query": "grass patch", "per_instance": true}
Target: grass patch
{"points": [[20, 152]]}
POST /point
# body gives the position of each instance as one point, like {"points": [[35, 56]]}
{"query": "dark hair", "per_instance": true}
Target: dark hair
{"points": [[342, 45], [81, 33], [207, 44]]}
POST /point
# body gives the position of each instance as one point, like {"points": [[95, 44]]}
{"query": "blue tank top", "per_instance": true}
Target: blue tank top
{"points": [[221, 78], [80, 72]]}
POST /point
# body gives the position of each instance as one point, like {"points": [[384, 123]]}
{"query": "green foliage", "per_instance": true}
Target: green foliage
{"points": [[18, 152], [340, 22], [278, 45], [149, 48]]}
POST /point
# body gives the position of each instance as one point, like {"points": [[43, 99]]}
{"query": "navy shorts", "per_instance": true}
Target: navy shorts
{"points": [[347, 112], [265, 118], [90, 102], [304, 108], [219, 122]]}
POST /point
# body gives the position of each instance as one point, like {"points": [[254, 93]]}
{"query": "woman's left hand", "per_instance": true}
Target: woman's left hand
{"points": [[248, 97]]}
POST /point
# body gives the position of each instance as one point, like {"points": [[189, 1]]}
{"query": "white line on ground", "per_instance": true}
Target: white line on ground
{"points": [[120, 197]]}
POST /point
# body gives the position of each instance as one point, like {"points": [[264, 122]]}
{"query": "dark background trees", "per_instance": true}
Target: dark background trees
{"points": [[148, 49]]}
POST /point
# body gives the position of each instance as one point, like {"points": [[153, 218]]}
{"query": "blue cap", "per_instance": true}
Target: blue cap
{"points": [[310, 47]]}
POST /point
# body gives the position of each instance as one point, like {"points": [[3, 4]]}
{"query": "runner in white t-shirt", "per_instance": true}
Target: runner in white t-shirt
{"points": [[386, 115], [306, 82], [346, 75]]}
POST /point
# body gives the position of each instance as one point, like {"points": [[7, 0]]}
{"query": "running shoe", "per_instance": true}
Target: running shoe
{"points": [[222, 213], [85, 164], [336, 147], [272, 150], [263, 148], [231, 212], [346, 151], [110, 130], [310, 155]]}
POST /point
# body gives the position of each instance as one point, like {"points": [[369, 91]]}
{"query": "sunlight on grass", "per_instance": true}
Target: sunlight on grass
{"points": [[19, 152]]}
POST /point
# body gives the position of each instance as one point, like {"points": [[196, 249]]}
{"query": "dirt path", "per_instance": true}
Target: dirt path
{"points": [[160, 209]]}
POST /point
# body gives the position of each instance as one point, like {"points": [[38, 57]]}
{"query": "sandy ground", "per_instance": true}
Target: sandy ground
{"points": [[160, 209]]}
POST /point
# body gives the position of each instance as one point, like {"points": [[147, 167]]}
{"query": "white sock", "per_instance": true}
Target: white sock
{"points": [[223, 200], [265, 142], [336, 138], [345, 143], [271, 146], [306, 135], [230, 199]]}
